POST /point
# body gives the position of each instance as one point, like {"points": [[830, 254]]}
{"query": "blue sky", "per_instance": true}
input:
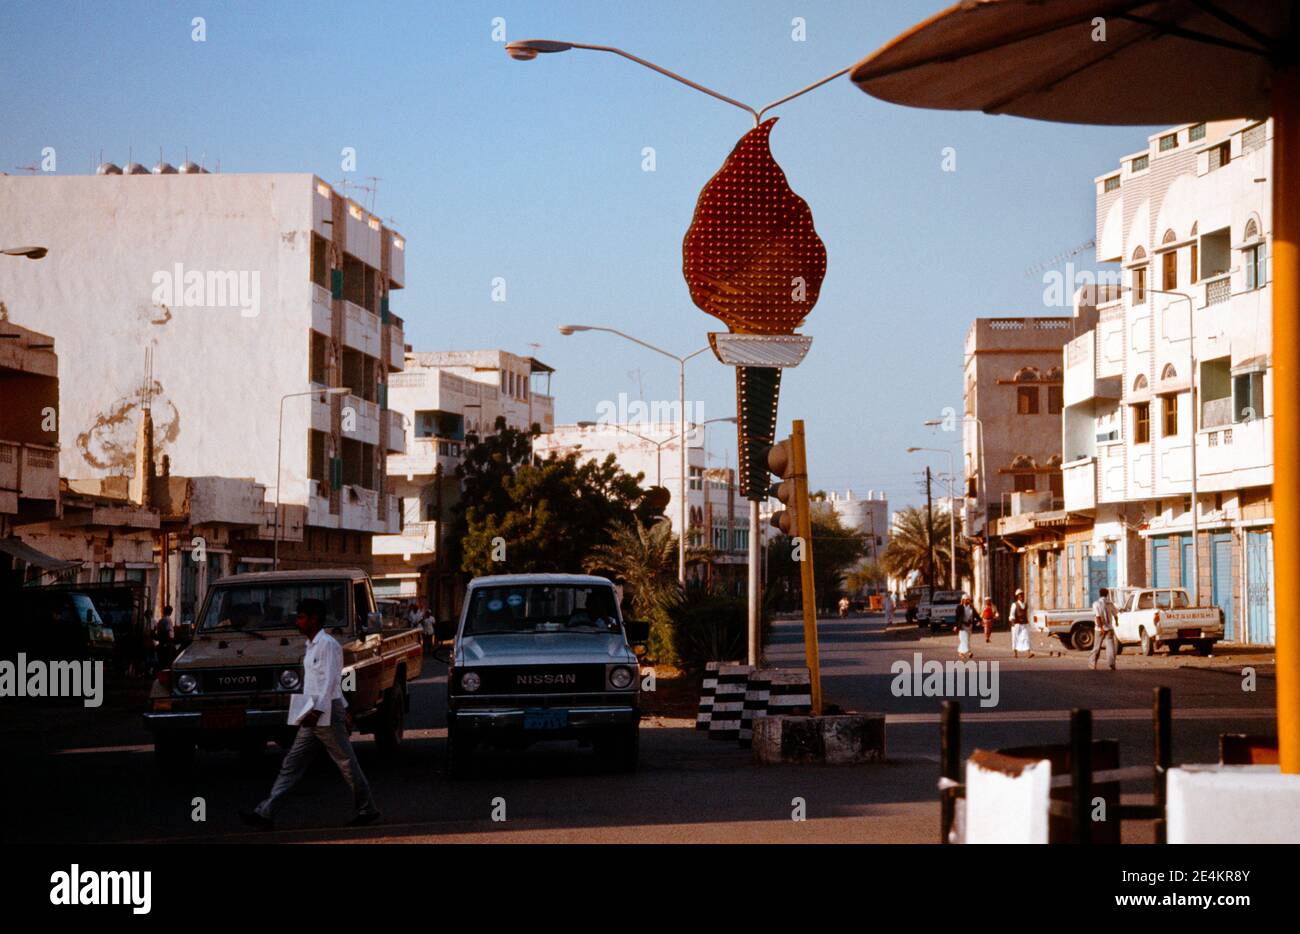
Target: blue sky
{"points": [[533, 172]]}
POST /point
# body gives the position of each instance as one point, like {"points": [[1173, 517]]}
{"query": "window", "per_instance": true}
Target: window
{"points": [[1025, 482], [319, 261], [1111, 184], [1142, 423], [1139, 164], [1253, 256], [1027, 400], [1169, 270], [1196, 132], [1054, 400], [319, 345], [1220, 156], [1169, 142], [1169, 411], [697, 478], [1195, 262], [1140, 285], [1247, 396]]}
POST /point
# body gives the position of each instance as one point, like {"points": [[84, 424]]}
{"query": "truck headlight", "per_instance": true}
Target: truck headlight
{"points": [[621, 678], [470, 681], [290, 680], [187, 684]]}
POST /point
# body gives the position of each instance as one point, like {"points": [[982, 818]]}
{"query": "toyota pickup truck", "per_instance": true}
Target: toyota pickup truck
{"points": [[230, 687], [544, 657], [1153, 617]]}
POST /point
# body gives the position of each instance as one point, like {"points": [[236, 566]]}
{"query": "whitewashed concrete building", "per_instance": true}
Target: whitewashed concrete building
{"points": [[1188, 214], [245, 289], [441, 398]]}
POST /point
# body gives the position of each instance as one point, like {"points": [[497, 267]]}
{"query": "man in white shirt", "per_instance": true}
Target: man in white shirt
{"points": [[1106, 616], [321, 715], [1019, 618]]}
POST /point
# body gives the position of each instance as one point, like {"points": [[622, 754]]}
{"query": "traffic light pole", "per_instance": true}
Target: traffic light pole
{"points": [[755, 589], [804, 519]]}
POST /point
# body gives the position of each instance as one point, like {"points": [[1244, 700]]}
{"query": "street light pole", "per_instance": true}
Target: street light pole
{"points": [[952, 518], [984, 498], [279, 450], [567, 329]]}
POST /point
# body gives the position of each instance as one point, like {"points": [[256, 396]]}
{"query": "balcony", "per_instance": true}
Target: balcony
{"points": [[1080, 484], [318, 508], [1216, 412], [396, 432], [360, 329], [424, 456], [322, 313], [359, 509], [38, 476], [1218, 290], [360, 420], [397, 260], [416, 539], [395, 335]]}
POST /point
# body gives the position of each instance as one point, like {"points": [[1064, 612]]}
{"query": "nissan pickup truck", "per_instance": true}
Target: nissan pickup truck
{"points": [[230, 687], [541, 657], [1076, 627], [1152, 617]]}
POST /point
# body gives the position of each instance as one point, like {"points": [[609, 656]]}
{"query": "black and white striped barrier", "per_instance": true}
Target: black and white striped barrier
{"points": [[789, 692], [729, 701], [707, 690], [756, 697]]}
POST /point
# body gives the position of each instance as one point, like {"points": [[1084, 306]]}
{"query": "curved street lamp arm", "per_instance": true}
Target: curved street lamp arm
{"points": [[671, 74], [758, 117]]}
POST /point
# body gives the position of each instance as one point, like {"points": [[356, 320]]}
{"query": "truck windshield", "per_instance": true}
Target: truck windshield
{"points": [[541, 608], [272, 606]]}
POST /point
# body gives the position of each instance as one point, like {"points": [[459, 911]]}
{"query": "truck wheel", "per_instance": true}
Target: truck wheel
{"points": [[391, 720], [621, 748], [1082, 636], [1204, 646], [1148, 644], [174, 754], [459, 747]]}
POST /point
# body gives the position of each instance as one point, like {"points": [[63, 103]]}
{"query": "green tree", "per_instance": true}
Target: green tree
{"points": [[520, 514], [835, 548], [908, 548], [644, 560]]}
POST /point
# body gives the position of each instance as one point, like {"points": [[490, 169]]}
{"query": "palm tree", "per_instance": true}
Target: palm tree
{"points": [[909, 547], [645, 560]]}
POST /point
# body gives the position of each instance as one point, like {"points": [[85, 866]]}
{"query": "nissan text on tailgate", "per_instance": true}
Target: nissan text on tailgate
{"points": [[544, 657], [230, 687]]}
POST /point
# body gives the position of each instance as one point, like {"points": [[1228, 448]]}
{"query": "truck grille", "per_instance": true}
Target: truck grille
{"points": [[237, 680], [536, 679]]}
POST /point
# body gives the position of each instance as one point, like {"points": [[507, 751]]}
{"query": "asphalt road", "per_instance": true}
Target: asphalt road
{"points": [[79, 775]]}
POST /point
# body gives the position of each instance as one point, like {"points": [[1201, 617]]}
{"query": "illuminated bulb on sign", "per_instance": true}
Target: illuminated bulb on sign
{"points": [[751, 256]]}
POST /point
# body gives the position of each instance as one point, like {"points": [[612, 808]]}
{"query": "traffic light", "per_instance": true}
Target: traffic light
{"points": [[780, 461]]}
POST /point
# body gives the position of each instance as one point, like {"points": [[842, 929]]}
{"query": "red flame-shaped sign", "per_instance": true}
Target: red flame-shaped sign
{"points": [[751, 256]]}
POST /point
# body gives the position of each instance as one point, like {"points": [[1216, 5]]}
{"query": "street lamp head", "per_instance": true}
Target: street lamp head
{"points": [[933, 422], [912, 450], [31, 252], [525, 50], [567, 329]]}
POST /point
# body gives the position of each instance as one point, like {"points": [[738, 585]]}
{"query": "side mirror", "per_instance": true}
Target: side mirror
{"points": [[374, 622], [638, 631]]}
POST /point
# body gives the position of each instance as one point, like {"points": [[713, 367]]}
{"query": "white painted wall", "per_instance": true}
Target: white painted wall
{"points": [[1233, 804]]}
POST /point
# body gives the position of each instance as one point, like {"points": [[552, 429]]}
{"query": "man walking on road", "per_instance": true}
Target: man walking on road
{"points": [[321, 715], [966, 617], [889, 609], [1105, 614], [1018, 616]]}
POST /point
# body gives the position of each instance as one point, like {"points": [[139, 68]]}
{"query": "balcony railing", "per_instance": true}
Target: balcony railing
{"points": [[1218, 291], [1216, 412]]}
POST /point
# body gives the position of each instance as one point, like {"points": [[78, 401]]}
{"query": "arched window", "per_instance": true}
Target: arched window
{"points": [[1140, 383], [1022, 462], [1053, 372], [1252, 231], [1168, 372], [1169, 236], [1026, 374], [1139, 254]]}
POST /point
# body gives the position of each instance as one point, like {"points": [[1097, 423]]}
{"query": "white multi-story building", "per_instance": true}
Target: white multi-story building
{"points": [[870, 516], [245, 289], [717, 515], [1189, 214], [442, 397]]}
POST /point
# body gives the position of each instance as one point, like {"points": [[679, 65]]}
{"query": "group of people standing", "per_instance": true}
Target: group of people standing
{"points": [[968, 618]]}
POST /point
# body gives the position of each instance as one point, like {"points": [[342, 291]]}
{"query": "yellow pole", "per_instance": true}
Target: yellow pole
{"points": [[804, 519], [1286, 402]]}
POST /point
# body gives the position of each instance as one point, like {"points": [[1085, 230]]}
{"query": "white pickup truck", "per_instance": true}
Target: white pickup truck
{"points": [[1152, 617], [1076, 627]]}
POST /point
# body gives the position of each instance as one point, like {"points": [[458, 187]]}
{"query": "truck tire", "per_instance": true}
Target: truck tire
{"points": [[1148, 644], [1204, 646], [621, 748], [390, 724], [1082, 637], [173, 754]]}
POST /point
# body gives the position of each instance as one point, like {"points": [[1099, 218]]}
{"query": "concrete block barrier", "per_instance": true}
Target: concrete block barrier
{"points": [[707, 690], [837, 740], [729, 701], [756, 698]]}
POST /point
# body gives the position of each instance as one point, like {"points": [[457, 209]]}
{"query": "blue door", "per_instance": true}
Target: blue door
{"points": [[1160, 562], [1221, 580], [1259, 621], [1186, 567], [1097, 578]]}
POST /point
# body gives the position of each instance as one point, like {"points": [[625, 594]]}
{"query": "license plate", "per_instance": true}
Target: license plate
{"points": [[546, 719], [1188, 633], [223, 719]]}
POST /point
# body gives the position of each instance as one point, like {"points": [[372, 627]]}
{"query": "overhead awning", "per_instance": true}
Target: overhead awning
{"points": [[21, 551]]}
